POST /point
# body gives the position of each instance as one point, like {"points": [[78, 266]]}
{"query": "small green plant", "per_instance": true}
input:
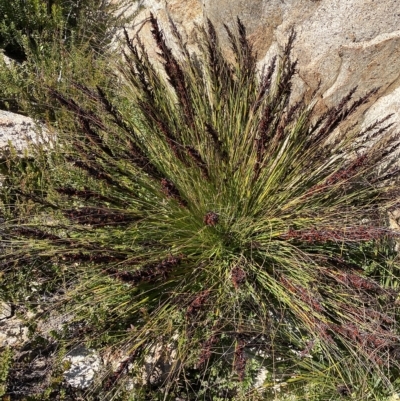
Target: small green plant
{"points": [[5, 364], [206, 224]]}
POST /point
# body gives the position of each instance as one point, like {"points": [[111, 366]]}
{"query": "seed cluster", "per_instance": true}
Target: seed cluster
{"points": [[94, 257], [211, 219], [344, 390], [171, 191], [207, 349], [311, 299], [97, 216], [85, 194], [197, 303], [351, 234], [149, 273], [358, 282], [238, 276], [240, 359]]}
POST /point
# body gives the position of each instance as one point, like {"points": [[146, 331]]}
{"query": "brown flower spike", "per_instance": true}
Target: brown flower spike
{"points": [[211, 219]]}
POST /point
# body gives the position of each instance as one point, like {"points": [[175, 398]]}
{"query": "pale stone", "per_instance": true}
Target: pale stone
{"points": [[5, 310], [84, 363], [13, 332], [389, 104], [7, 60], [19, 131], [260, 379]]}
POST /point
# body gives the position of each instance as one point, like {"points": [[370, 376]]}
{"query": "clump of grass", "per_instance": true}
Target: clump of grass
{"points": [[208, 213], [53, 42]]}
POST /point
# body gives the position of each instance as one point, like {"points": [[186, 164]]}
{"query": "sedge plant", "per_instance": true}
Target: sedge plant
{"points": [[202, 224]]}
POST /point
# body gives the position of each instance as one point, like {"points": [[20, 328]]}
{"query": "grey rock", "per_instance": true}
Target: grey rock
{"points": [[84, 363], [19, 131], [7, 60], [5, 310], [13, 332]]}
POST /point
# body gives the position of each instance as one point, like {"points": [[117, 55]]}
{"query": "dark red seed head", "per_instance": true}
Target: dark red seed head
{"points": [[238, 276], [211, 219]]}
